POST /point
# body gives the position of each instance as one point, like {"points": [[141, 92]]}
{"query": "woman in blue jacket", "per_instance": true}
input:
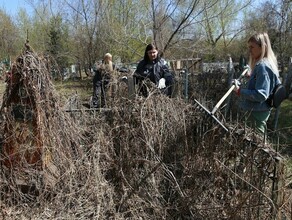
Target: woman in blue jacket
{"points": [[263, 78]]}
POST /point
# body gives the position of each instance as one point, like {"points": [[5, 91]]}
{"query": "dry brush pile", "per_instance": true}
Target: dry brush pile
{"points": [[145, 158]]}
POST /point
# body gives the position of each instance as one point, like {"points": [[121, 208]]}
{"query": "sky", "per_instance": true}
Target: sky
{"points": [[12, 6]]}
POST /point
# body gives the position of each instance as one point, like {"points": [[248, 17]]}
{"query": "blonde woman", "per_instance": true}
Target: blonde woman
{"points": [[264, 76], [101, 81], [107, 63]]}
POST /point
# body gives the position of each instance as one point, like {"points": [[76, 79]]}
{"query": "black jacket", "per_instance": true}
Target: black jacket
{"points": [[154, 70]]}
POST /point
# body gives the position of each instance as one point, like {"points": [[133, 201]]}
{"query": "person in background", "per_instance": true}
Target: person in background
{"points": [[101, 80], [154, 68], [263, 78]]}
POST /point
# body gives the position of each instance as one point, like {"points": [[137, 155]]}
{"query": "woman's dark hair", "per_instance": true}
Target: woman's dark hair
{"points": [[150, 47]]}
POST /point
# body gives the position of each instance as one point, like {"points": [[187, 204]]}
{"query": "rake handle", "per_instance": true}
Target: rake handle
{"points": [[227, 93], [222, 99]]}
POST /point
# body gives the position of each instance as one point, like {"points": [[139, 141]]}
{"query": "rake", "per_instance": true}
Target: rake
{"points": [[211, 114]]}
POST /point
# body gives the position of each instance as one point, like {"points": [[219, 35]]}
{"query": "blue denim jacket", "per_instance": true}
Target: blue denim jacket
{"points": [[259, 87]]}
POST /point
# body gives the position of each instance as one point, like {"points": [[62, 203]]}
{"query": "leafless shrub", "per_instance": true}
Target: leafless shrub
{"points": [[143, 158]]}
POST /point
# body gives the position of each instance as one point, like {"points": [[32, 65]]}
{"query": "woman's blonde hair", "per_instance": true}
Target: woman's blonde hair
{"points": [[108, 65], [263, 40], [108, 55]]}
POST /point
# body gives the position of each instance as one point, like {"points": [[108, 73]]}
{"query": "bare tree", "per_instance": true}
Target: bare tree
{"points": [[220, 22], [8, 34], [83, 16], [276, 19], [171, 20], [126, 28]]}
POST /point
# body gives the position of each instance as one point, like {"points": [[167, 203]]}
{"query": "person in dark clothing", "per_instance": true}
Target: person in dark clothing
{"points": [[101, 81], [154, 68]]}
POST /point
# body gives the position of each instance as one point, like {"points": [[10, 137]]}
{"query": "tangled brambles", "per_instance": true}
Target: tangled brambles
{"points": [[144, 158]]}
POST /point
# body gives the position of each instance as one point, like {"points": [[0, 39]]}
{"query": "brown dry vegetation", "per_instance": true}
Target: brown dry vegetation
{"points": [[143, 158]]}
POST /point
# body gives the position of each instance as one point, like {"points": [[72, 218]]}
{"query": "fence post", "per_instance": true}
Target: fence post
{"points": [[287, 81], [186, 83], [277, 186], [131, 85], [230, 71]]}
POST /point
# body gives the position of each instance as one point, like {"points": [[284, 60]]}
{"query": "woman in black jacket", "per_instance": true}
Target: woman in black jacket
{"points": [[154, 68], [101, 81]]}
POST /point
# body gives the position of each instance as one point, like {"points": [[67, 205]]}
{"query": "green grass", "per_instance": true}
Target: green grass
{"points": [[285, 119], [285, 133], [285, 125], [83, 88]]}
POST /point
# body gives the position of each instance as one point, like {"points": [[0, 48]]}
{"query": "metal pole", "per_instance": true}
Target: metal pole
{"points": [[186, 83], [230, 71]]}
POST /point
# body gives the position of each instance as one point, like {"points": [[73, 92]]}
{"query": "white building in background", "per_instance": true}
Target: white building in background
{"points": [[73, 69]]}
